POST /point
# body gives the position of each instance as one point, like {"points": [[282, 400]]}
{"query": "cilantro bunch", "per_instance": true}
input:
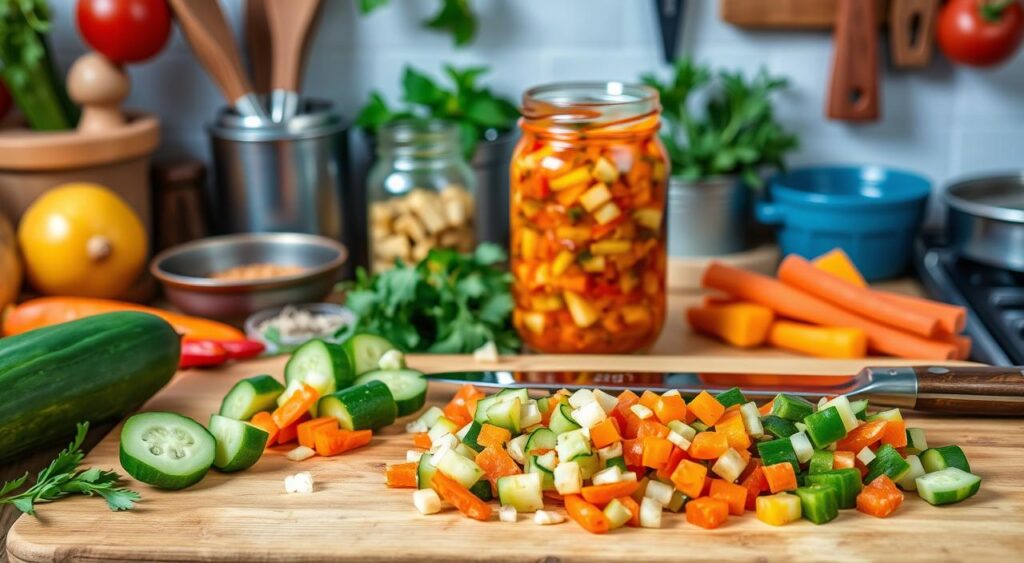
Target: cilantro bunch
{"points": [[454, 16], [449, 303]]}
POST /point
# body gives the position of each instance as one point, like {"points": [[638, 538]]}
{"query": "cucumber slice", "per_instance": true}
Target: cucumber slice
{"points": [[408, 387], [471, 435], [937, 459], [889, 462], [430, 417], [482, 490], [357, 408], [425, 472], [239, 444], [166, 450], [916, 441], [825, 427], [562, 420], [250, 396], [506, 414], [731, 397], [860, 409], [572, 444], [821, 461], [589, 464], [791, 407], [909, 480], [778, 451], [948, 486], [321, 365], [365, 350], [463, 470], [778, 426], [523, 491], [541, 439]]}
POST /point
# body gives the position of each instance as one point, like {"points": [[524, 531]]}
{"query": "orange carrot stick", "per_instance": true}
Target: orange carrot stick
{"points": [[741, 324], [952, 318], [801, 274], [838, 263], [402, 475], [793, 303], [825, 342], [467, 503]]}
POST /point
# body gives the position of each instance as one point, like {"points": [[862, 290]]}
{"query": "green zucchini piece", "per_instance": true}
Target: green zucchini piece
{"points": [[250, 396], [778, 451], [619, 462], [889, 462], [523, 491], [471, 435], [818, 503], [846, 482], [239, 444], [367, 406], [948, 486], [166, 450], [821, 461], [408, 387], [364, 352], [589, 464], [677, 502], [425, 472], [562, 421], [860, 409], [506, 414], [916, 442], [482, 490], [825, 427], [461, 469], [778, 426], [321, 365], [699, 426], [937, 459], [731, 397], [541, 439], [791, 407]]}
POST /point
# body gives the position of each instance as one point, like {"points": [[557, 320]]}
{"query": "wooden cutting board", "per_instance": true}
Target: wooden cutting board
{"points": [[352, 516]]}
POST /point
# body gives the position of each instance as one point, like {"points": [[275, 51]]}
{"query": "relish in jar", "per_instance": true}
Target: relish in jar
{"points": [[588, 187]]}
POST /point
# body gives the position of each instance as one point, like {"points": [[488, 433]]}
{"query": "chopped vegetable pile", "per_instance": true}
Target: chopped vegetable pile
{"points": [[626, 460]]}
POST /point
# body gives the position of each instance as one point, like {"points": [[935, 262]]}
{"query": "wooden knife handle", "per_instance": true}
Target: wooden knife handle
{"points": [[853, 89], [995, 391]]}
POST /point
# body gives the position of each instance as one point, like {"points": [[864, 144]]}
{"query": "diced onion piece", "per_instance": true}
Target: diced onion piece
{"points": [[606, 401], [609, 452], [842, 404], [547, 518], [642, 412], [416, 427], [508, 514], [486, 354], [650, 512], [730, 465], [595, 197], [448, 441], [605, 171], [581, 397], [678, 439], [659, 492], [426, 420], [606, 476], [683, 429], [392, 360], [568, 478], [802, 446], [672, 393], [865, 455], [300, 453], [426, 501], [461, 434], [517, 447], [800, 426], [529, 414], [589, 415], [752, 419], [413, 455], [301, 482], [438, 455], [627, 476]]}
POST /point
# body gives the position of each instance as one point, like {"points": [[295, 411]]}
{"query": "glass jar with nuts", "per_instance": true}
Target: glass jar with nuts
{"points": [[420, 193]]}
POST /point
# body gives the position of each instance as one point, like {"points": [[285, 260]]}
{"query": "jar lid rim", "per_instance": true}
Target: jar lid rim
{"points": [[593, 93]]}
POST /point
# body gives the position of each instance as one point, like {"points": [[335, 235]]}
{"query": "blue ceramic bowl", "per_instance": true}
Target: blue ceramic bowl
{"points": [[871, 212]]}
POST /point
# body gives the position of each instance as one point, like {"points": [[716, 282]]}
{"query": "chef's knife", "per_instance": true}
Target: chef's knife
{"points": [[670, 22], [943, 389]]}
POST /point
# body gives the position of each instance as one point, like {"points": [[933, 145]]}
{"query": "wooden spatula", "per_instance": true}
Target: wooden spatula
{"points": [[853, 89], [912, 32], [203, 24], [290, 21], [257, 44]]}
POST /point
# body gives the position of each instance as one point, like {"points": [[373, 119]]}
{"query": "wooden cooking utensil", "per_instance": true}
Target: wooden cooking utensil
{"points": [[290, 22], [257, 44], [853, 89], [912, 32], [203, 24]]}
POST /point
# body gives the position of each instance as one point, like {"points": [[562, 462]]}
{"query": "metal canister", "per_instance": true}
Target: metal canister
{"points": [[280, 177]]}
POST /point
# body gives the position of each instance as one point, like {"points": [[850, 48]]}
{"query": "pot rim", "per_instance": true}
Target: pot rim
{"points": [[916, 189], [958, 202]]}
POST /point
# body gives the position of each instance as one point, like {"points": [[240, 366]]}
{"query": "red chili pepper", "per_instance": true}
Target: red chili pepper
{"points": [[242, 349], [202, 353]]}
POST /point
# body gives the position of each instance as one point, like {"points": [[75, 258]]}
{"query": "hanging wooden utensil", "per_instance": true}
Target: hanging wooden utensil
{"points": [[853, 89], [670, 22], [912, 32]]}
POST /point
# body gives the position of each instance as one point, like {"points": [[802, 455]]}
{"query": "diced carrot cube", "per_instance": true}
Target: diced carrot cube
{"points": [[734, 495], [707, 408], [707, 512], [670, 408], [708, 445], [656, 452], [689, 478], [491, 435], [308, 428], [780, 476], [265, 421], [605, 433]]}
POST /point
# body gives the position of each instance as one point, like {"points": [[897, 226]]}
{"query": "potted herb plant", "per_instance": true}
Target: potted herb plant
{"points": [[486, 122], [722, 137]]}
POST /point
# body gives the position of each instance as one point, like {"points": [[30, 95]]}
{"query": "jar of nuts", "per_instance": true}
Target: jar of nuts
{"points": [[420, 193]]}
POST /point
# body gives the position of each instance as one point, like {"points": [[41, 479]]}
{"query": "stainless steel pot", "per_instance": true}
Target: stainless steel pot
{"points": [[986, 220]]}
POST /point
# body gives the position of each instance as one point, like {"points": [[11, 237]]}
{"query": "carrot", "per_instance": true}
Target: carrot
{"points": [[402, 475], [358, 439], [457, 414], [794, 303], [298, 404], [670, 408], [605, 433], [491, 435], [421, 440], [766, 409], [586, 515], [895, 434], [824, 342], [47, 311], [308, 428], [708, 445], [633, 451], [707, 408], [837, 263], [734, 495], [800, 273], [651, 428], [755, 484], [290, 433], [879, 497], [496, 463], [734, 430], [714, 300], [649, 399], [656, 452], [601, 495], [266, 422], [862, 436], [952, 318], [634, 508], [336, 441], [780, 477], [467, 503], [744, 325], [463, 405], [689, 478], [707, 512], [843, 459], [665, 471]]}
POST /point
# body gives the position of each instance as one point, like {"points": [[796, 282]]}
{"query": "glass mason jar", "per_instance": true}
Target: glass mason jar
{"points": [[589, 180], [419, 193]]}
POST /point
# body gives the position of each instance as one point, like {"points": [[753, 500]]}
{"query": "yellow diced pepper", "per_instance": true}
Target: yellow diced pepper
{"points": [[529, 243], [606, 247], [636, 315], [658, 171], [572, 178], [779, 509], [575, 234], [594, 264], [628, 282], [546, 303], [595, 197], [605, 171], [583, 313], [607, 214], [648, 217], [542, 276], [562, 262], [535, 322], [530, 208]]}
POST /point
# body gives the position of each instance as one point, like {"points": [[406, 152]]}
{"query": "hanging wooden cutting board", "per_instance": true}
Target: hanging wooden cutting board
{"points": [[853, 93], [912, 32]]}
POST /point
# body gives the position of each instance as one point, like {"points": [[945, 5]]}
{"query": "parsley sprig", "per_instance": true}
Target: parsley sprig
{"points": [[63, 478]]}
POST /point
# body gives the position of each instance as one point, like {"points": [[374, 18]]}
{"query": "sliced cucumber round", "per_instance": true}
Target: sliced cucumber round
{"points": [[239, 444], [321, 365], [947, 486], [250, 396], [408, 387], [367, 406], [365, 350], [166, 450]]}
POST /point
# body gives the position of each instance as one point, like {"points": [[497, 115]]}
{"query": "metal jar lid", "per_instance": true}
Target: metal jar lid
{"points": [[315, 119]]}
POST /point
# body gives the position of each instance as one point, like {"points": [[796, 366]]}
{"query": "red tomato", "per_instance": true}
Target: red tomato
{"points": [[980, 32], [5, 100], [125, 31]]}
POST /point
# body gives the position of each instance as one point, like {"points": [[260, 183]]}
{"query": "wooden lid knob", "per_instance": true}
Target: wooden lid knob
{"points": [[100, 87]]}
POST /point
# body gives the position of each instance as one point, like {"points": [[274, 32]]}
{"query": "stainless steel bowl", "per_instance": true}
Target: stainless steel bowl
{"points": [[185, 270]]}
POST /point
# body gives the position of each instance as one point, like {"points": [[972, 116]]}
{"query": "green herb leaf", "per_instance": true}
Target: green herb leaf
{"points": [[457, 18], [367, 6], [420, 89]]}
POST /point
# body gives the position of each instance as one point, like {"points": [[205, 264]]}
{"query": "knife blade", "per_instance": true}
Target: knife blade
{"points": [[973, 390]]}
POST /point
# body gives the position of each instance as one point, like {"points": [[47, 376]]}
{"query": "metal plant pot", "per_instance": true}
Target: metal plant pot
{"points": [[708, 217]]}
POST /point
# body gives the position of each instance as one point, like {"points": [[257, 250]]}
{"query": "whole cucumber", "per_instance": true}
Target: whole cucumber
{"points": [[94, 369]]}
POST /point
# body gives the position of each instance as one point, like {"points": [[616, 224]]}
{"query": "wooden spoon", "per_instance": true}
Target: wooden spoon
{"points": [[290, 22], [257, 44], [853, 89], [203, 24]]}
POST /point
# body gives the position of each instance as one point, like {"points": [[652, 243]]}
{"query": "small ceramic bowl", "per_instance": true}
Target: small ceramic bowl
{"points": [[284, 344], [185, 272]]}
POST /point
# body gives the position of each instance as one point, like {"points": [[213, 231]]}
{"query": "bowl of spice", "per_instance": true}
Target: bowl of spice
{"points": [[231, 277], [284, 329]]}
